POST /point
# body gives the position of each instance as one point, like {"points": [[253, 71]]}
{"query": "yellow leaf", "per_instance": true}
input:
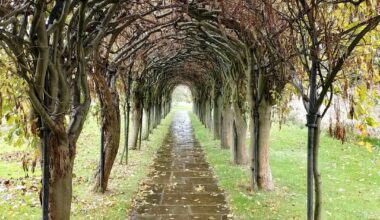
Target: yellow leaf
{"points": [[361, 143], [199, 188], [369, 147]]}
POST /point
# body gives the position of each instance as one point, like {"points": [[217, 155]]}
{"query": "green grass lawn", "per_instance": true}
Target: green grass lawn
{"points": [[18, 195], [350, 175], [19, 199]]}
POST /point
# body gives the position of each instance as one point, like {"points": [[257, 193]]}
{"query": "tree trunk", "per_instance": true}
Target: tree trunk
{"points": [[110, 122], [227, 118], [208, 122], [126, 110], [145, 129], [210, 113], [217, 115], [201, 112], [195, 108], [141, 126], [265, 180], [111, 129], [253, 140], [198, 106], [158, 114], [204, 113], [239, 134], [311, 120], [150, 120], [166, 108], [136, 126], [154, 118], [317, 174], [62, 155]]}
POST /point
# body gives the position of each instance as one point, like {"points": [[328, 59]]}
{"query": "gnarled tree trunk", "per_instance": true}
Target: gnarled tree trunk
{"points": [[226, 130], [265, 180], [62, 154], [239, 130], [110, 122]]}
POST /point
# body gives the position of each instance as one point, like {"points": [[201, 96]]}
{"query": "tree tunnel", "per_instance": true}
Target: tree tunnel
{"points": [[235, 56], [181, 94]]}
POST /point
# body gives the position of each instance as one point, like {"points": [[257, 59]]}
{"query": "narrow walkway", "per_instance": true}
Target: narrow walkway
{"points": [[181, 185]]}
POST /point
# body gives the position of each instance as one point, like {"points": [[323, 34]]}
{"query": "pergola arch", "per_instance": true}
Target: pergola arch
{"points": [[235, 56]]}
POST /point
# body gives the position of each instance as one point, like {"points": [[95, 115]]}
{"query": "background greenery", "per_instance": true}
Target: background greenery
{"points": [[181, 94]]}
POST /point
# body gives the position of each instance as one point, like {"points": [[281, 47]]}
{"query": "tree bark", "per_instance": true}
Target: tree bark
{"points": [[169, 107], [110, 122], [265, 180], [145, 128], [126, 110], [198, 109], [253, 140], [227, 117], [195, 108], [218, 101], [311, 120], [141, 126], [239, 134], [203, 113], [111, 129], [147, 123], [136, 125], [158, 114], [150, 124], [317, 174], [62, 153], [208, 114], [154, 116]]}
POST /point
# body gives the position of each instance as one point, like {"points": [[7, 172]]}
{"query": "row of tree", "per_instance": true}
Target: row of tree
{"points": [[236, 57]]}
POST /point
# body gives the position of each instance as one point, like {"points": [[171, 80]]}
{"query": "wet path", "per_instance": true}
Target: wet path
{"points": [[181, 185]]}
